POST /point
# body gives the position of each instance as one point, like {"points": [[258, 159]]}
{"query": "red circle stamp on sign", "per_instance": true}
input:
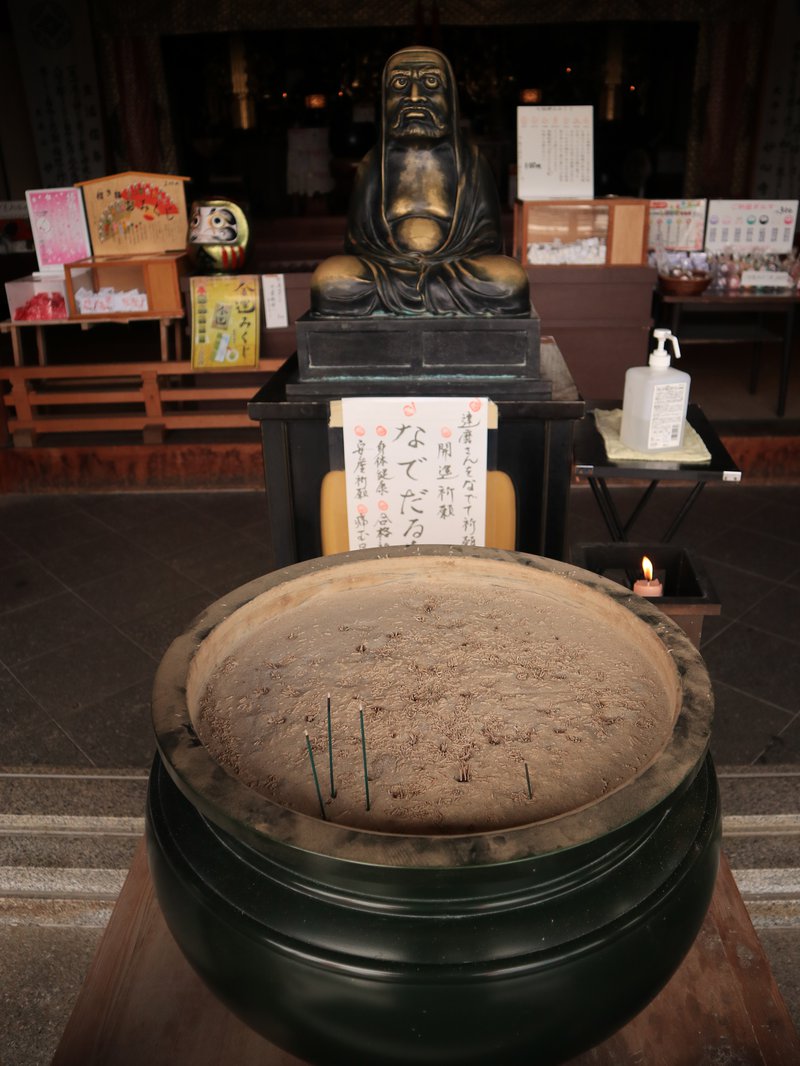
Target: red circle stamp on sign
{"points": [[475, 405], [359, 431], [381, 431], [362, 508], [383, 505], [410, 409], [446, 432]]}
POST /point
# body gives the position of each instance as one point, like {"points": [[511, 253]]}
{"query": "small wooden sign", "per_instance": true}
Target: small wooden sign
{"points": [[135, 213]]}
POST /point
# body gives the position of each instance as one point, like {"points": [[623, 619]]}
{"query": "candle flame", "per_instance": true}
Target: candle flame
{"points": [[647, 568]]}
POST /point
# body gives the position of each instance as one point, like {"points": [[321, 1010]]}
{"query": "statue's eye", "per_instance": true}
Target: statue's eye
{"points": [[430, 81], [399, 81]]}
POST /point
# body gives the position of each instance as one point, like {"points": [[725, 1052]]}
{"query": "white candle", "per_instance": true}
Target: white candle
{"points": [[648, 585]]}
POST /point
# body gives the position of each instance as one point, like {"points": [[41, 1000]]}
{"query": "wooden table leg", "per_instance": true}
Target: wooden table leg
{"points": [[163, 331], [16, 346], [41, 346]]}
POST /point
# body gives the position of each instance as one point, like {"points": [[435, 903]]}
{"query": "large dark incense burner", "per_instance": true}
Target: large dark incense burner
{"points": [[528, 938], [423, 235]]}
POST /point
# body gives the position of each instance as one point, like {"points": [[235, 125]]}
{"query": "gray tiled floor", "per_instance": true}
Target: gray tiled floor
{"points": [[92, 590], [94, 587]]}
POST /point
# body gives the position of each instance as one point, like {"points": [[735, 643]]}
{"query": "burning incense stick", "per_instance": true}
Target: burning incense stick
{"points": [[364, 753], [330, 749], [316, 779]]}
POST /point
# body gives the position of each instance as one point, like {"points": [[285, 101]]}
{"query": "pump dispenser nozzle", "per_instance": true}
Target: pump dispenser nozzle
{"points": [[659, 357]]}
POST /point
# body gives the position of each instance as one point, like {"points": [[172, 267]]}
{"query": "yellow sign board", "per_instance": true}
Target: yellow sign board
{"points": [[225, 321]]}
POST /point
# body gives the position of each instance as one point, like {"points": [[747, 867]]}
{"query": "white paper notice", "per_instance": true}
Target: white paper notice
{"points": [[415, 469], [751, 225], [555, 153], [276, 311]]}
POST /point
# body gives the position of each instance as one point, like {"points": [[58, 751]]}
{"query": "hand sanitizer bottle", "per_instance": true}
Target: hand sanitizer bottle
{"points": [[655, 400]]}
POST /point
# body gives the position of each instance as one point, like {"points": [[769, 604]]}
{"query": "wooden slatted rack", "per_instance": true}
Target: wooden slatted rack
{"points": [[151, 398]]}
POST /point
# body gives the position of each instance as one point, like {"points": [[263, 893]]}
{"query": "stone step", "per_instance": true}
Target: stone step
{"points": [[72, 792], [761, 839], [69, 837], [753, 790]]}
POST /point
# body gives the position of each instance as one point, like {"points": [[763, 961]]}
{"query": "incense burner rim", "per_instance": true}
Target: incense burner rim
{"points": [[266, 825]]}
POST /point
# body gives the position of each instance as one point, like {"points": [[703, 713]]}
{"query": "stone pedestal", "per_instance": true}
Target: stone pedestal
{"points": [[387, 354]]}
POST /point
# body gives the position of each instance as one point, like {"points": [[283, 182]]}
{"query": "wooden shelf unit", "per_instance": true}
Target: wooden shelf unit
{"points": [[170, 333], [158, 275]]}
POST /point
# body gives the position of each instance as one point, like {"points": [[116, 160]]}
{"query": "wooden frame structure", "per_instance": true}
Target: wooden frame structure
{"points": [[150, 398], [169, 331]]}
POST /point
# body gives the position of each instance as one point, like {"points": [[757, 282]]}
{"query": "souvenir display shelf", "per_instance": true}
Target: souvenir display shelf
{"points": [[609, 232], [156, 277]]}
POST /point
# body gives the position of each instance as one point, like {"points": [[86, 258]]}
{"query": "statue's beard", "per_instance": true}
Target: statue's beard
{"points": [[416, 120]]}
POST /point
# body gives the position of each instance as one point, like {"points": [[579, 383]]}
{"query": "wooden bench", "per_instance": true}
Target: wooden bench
{"points": [[142, 1002]]}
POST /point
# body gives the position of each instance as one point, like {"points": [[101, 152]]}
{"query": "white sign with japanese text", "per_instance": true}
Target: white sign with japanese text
{"points": [[415, 469], [751, 225], [276, 311], [555, 152]]}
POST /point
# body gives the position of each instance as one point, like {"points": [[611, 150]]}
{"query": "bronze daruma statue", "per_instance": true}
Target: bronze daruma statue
{"points": [[423, 235]]}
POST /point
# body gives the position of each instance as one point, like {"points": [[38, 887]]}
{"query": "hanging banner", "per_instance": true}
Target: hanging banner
{"points": [[56, 57], [555, 153], [225, 322], [15, 227], [415, 470]]}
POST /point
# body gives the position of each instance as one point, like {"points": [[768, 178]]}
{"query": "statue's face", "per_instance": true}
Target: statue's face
{"points": [[417, 97]]}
